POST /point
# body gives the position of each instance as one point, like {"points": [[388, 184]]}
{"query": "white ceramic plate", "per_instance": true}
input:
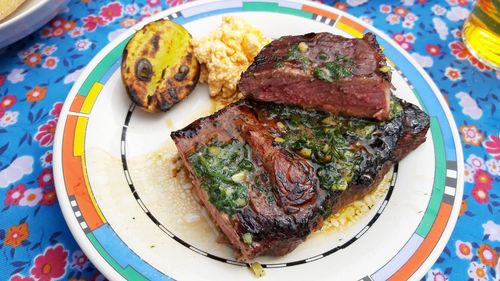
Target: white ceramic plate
{"points": [[28, 17], [135, 222]]}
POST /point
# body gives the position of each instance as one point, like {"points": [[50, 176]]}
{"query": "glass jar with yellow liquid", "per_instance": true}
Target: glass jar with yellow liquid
{"points": [[481, 32]]}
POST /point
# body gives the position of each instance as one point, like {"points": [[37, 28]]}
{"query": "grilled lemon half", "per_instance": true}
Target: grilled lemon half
{"points": [[158, 66]]}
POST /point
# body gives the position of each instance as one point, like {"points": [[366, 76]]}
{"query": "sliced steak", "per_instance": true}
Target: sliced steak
{"points": [[322, 71], [269, 174]]}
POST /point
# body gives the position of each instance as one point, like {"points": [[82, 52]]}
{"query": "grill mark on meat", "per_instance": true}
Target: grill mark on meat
{"points": [[285, 200]]}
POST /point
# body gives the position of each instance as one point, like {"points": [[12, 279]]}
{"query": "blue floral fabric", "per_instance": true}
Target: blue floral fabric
{"points": [[37, 73]]}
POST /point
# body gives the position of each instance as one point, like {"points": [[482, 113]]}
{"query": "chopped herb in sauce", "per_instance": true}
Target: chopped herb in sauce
{"points": [[395, 109], [323, 56], [335, 145], [338, 70], [322, 67], [294, 53], [223, 168], [278, 64], [341, 67], [321, 74]]}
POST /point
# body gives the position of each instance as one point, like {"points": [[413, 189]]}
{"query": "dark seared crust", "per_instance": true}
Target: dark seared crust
{"points": [[364, 94], [415, 127], [299, 202]]}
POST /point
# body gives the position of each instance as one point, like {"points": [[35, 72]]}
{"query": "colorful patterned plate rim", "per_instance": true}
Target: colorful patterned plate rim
{"points": [[134, 223]]}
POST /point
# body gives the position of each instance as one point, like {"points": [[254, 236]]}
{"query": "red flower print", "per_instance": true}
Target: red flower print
{"points": [[479, 65], [111, 11], [7, 102], [436, 275], [49, 50], [471, 134], [153, 2], [128, 22], [58, 22], [57, 32], [458, 50], [16, 235], [50, 62], [45, 178], [51, 264], [463, 250], [77, 31], [45, 134], [399, 37], [457, 33], [2, 80], [36, 94], [33, 59], [385, 9], [13, 195], [453, 74], [46, 32], [410, 17], [49, 197], [410, 38], [480, 194], [483, 178], [35, 47], [477, 272], [69, 25], [172, 3], [18, 277], [31, 197], [341, 6], [433, 50], [400, 11], [56, 109], [90, 22], [407, 46], [493, 146], [2, 112], [487, 255], [46, 159], [462, 2]]}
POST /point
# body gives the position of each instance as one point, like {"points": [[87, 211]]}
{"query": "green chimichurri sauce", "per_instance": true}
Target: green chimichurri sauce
{"points": [[341, 67], [323, 56], [294, 53], [323, 67], [224, 170], [333, 143], [395, 109]]}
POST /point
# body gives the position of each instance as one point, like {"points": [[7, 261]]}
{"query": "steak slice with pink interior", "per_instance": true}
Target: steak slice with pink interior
{"points": [[322, 71]]}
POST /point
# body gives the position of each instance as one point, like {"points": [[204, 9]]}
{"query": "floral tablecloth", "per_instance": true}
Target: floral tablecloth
{"points": [[37, 73]]}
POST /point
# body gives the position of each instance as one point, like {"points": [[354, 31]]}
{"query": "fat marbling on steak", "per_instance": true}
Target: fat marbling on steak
{"points": [[269, 174], [322, 71]]}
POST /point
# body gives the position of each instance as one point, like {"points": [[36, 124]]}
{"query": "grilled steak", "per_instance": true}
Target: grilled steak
{"points": [[268, 174], [322, 71]]}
